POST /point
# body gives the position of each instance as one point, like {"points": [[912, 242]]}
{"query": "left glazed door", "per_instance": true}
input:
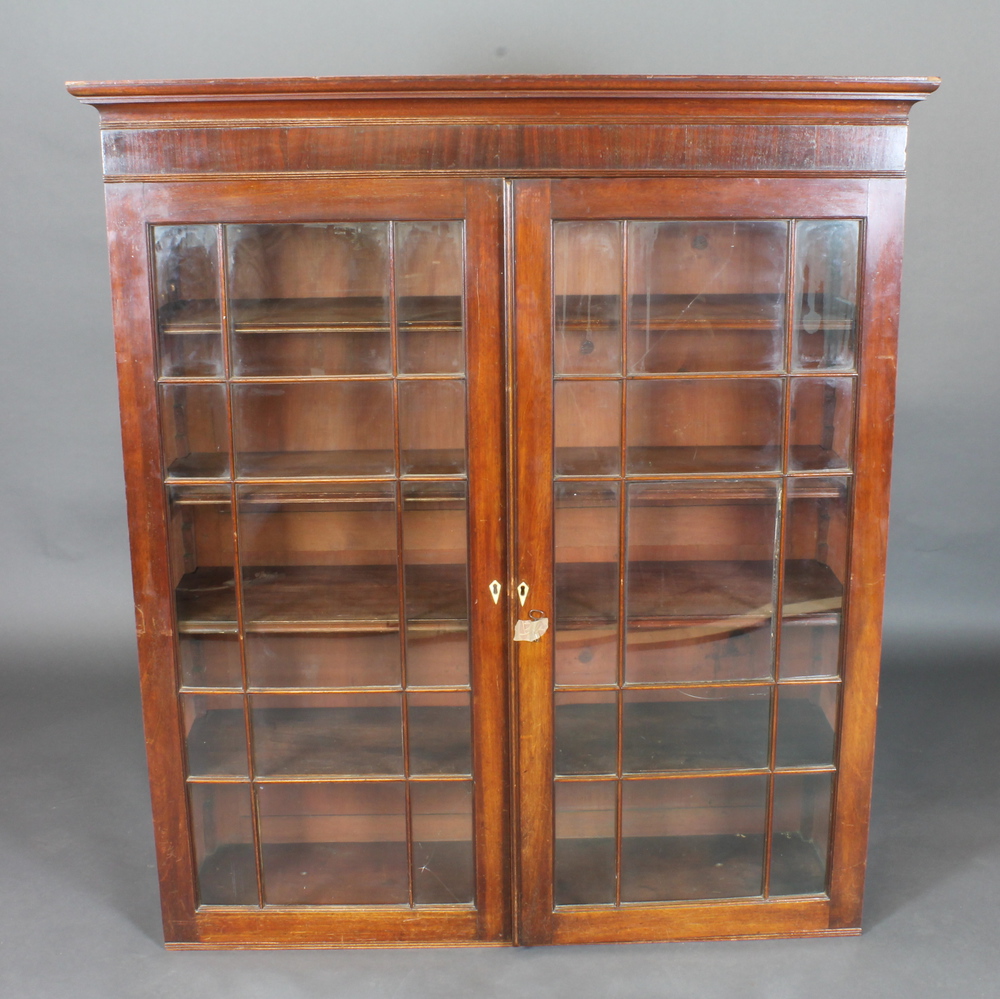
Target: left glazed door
{"points": [[313, 390]]}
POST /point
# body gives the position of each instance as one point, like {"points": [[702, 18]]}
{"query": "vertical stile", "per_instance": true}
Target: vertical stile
{"points": [[223, 256], [622, 562], [777, 601], [483, 316], [400, 563], [533, 465], [860, 321], [777, 610], [509, 599]]}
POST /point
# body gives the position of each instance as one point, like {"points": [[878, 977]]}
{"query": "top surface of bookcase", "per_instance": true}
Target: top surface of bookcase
{"points": [[307, 88]]}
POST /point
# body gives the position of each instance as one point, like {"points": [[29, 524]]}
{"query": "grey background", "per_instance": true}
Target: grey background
{"points": [[78, 907]]}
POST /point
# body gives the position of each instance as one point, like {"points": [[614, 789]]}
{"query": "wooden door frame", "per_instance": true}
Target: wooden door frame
{"points": [[132, 208], [536, 203]]}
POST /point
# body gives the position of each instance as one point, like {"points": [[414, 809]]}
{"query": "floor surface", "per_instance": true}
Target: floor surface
{"points": [[78, 900]]}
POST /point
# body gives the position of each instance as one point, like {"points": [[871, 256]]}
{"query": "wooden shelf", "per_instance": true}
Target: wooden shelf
{"points": [[702, 491], [316, 464], [668, 868], [367, 497], [314, 315], [674, 868], [340, 874], [199, 465], [752, 313], [323, 599], [193, 317], [591, 313], [342, 741], [570, 461], [664, 594], [710, 733], [718, 460], [364, 598]]}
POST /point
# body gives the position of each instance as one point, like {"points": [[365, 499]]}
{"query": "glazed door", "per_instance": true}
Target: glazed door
{"points": [[330, 487], [687, 457]]}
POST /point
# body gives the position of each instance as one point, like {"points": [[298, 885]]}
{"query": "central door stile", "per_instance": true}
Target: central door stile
{"points": [[532, 559], [487, 554]]}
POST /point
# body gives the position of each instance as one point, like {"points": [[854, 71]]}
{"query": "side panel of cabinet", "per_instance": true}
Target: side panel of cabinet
{"points": [[312, 412], [702, 414]]}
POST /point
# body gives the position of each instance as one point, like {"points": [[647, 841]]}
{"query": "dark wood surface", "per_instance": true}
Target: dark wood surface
{"points": [[306, 87], [317, 150], [507, 125]]}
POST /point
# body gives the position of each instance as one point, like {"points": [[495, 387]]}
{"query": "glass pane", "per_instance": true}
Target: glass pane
{"points": [[432, 427], [706, 296], [436, 657], [440, 733], [222, 827], [816, 538], [435, 559], [443, 868], [586, 732], [216, 736], [429, 286], [826, 292], [801, 833], [201, 562], [317, 734], [807, 720], [704, 425], [188, 319], [586, 625], [339, 843], [313, 429], [696, 728], [320, 560], [195, 428], [588, 427], [587, 284], [210, 660], [693, 838], [700, 580], [585, 813], [821, 424], [810, 645], [338, 659], [309, 299]]}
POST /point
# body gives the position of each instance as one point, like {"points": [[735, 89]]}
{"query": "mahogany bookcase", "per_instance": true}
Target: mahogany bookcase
{"points": [[507, 464]]}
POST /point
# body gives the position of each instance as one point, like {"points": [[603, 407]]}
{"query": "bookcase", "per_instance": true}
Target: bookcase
{"points": [[507, 465]]}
